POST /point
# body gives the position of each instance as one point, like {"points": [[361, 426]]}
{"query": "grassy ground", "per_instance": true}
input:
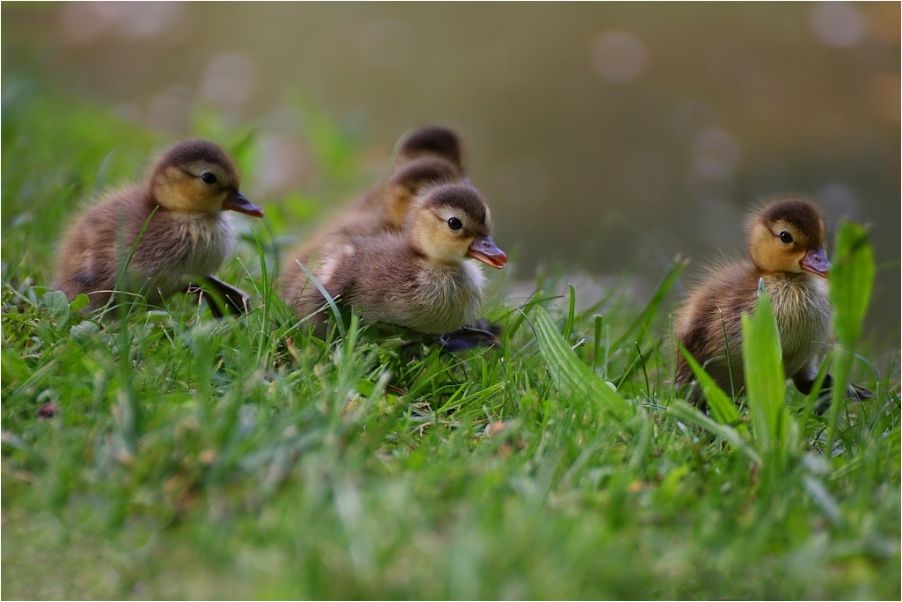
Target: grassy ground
{"points": [[194, 458]]}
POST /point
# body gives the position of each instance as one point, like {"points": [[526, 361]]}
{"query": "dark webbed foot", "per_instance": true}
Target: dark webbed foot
{"points": [[203, 295], [480, 334], [858, 393], [233, 299], [236, 299], [805, 383]]}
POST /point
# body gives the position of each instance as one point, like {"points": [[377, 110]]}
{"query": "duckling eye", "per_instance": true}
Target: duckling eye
{"points": [[208, 178], [454, 223], [785, 237]]}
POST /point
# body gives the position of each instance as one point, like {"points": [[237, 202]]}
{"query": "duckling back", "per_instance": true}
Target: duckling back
{"points": [[709, 324], [96, 244]]}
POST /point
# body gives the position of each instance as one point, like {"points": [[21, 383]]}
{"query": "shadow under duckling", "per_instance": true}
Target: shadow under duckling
{"points": [[153, 238], [419, 279], [786, 243]]}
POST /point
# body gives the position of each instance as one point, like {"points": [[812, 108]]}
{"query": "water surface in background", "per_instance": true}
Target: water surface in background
{"points": [[607, 137]]}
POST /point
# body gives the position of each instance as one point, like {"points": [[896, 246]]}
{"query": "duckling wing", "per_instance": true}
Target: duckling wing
{"points": [[87, 261], [396, 285], [332, 260], [709, 323], [379, 277], [362, 218]]}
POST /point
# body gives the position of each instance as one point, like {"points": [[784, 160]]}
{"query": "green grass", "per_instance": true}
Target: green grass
{"points": [[242, 458]]}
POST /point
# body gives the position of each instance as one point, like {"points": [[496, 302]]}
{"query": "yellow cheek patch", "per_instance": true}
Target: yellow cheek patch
{"points": [[179, 191]]}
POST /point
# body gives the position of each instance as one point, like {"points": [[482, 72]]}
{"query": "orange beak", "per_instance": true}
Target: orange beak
{"points": [[485, 250], [240, 203], [816, 262]]}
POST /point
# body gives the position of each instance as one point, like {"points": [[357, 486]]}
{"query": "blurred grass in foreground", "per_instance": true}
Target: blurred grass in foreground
{"points": [[190, 458]]}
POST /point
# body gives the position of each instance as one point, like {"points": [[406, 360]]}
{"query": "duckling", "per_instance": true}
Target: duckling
{"points": [[162, 232], [387, 210], [424, 156], [434, 140], [375, 214], [438, 141], [786, 246], [404, 185], [418, 279]]}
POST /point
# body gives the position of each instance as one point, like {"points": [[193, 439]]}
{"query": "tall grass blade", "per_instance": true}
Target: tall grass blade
{"points": [[329, 299], [264, 335], [765, 381], [570, 374], [124, 264], [722, 407], [851, 283], [598, 321], [571, 311]]}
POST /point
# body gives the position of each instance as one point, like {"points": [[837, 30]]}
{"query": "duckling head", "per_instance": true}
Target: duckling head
{"points": [[433, 140], [788, 236], [196, 176], [450, 223], [406, 183]]}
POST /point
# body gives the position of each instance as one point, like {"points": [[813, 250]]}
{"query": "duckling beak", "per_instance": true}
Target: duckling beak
{"points": [[240, 203], [816, 262], [485, 250]]}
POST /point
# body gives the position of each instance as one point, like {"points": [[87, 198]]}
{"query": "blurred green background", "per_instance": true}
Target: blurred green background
{"points": [[607, 137]]}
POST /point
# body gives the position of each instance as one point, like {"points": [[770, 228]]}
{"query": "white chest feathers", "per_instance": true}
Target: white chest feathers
{"points": [[200, 244], [449, 298], [803, 312], [210, 239]]}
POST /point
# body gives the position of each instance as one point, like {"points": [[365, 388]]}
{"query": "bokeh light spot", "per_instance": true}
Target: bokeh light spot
{"points": [[716, 154], [618, 57], [228, 80], [837, 23]]}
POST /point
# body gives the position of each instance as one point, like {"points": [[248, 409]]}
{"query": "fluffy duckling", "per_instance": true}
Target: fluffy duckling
{"points": [[787, 250], [435, 141], [185, 232], [404, 185], [418, 279], [375, 214], [386, 211], [425, 156]]}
